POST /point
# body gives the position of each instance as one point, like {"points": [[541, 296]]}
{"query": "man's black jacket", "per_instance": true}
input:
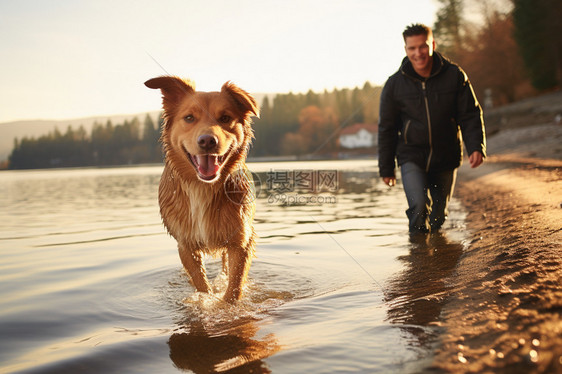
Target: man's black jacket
{"points": [[421, 120]]}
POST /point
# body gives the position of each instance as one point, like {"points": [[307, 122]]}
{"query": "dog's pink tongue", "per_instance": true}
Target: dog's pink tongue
{"points": [[207, 165]]}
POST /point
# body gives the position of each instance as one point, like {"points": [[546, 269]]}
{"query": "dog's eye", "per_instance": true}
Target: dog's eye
{"points": [[189, 119], [225, 119]]}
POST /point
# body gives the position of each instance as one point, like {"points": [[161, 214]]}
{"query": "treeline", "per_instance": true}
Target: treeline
{"points": [[297, 124], [289, 124], [512, 51], [108, 144]]}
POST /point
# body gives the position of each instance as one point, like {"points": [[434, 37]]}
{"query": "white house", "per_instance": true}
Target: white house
{"points": [[359, 135]]}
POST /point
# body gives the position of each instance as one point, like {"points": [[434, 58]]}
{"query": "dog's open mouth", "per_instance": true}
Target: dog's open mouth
{"points": [[207, 166]]}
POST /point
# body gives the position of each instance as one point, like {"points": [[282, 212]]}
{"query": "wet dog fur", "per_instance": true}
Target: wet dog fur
{"points": [[205, 190]]}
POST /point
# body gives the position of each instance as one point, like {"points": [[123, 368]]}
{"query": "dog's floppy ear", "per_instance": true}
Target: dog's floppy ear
{"points": [[173, 89], [244, 100]]}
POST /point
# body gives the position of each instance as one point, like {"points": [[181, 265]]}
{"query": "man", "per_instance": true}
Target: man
{"points": [[424, 108]]}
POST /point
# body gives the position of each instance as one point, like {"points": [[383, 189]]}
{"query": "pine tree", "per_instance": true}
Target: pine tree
{"points": [[448, 26], [538, 32]]}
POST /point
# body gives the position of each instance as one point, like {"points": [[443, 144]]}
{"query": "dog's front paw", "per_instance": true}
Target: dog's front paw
{"points": [[232, 296]]}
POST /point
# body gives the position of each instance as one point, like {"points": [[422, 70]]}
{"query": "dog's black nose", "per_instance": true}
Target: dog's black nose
{"points": [[207, 142]]}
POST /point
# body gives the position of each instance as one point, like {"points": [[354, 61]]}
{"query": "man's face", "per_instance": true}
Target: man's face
{"points": [[419, 49]]}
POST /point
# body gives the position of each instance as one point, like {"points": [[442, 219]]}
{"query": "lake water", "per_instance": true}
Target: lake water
{"points": [[91, 282]]}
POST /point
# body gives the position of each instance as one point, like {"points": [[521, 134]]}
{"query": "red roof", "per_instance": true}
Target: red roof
{"points": [[354, 129]]}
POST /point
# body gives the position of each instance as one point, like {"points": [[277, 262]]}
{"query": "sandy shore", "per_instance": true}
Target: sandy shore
{"points": [[506, 311]]}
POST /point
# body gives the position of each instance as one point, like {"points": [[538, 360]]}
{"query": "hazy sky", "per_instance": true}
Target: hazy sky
{"points": [[65, 58]]}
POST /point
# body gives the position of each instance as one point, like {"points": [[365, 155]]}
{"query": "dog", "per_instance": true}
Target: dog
{"points": [[206, 190]]}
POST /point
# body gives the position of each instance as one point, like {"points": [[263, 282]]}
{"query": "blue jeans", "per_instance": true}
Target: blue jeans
{"points": [[428, 195]]}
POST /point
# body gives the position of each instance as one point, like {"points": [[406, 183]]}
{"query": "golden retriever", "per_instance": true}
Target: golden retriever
{"points": [[206, 191]]}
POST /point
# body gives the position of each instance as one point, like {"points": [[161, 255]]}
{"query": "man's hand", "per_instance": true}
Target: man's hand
{"points": [[389, 181], [475, 159]]}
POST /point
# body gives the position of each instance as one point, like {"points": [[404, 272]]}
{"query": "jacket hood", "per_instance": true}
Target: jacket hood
{"points": [[439, 64]]}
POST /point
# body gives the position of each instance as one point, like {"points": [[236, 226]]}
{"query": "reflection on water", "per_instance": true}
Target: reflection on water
{"points": [[92, 283], [213, 336], [200, 351], [416, 294]]}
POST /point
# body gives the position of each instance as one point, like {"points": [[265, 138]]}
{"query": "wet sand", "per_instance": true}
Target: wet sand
{"points": [[506, 311]]}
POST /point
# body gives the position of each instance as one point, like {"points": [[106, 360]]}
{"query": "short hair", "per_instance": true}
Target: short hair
{"points": [[417, 29]]}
